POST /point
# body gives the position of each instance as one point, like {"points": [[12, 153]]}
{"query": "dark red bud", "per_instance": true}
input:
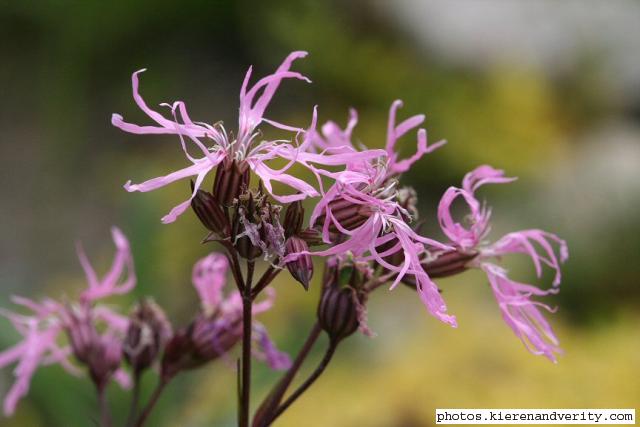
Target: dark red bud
{"points": [[213, 337], [338, 313], [302, 267], [311, 236], [349, 215], [293, 219], [178, 354], [210, 213], [232, 178]]}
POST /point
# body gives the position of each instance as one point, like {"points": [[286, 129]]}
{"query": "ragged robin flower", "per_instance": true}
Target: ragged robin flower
{"points": [[218, 326], [247, 150], [361, 212], [519, 310], [94, 332]]}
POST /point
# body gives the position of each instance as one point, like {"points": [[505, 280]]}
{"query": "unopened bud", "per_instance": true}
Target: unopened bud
{"points": [[293, 219], [338, 312], [300, 268], [232, 177], [311, 236], [206, 339], [348, 214], [178, 354], [147, 333], [213, 337], [210, 213]]}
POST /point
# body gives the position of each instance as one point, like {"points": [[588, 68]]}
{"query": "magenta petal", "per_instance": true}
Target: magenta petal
{"points": [[521, 314]]}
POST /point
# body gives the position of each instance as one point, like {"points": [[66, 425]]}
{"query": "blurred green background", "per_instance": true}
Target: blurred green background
{"points": [[548, 91]]}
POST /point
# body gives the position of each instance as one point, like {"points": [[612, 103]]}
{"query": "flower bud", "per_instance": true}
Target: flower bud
{"points": [[232, 178], [147, 333], [210, 213], [206, 339], [348, 214], [300, 268], [293, 219], [311, 236], [338, 312], [214, 336], [178, 354]]}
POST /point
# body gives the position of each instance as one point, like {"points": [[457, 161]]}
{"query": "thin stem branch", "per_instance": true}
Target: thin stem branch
{"points": [[152, 402], [273, 399], [234, 262], [105, 414], [247, 317], [135, 398], [265, 280], [308, 382]]}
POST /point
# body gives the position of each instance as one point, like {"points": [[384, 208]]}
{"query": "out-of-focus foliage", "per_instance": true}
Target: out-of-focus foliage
{"points": [[66, 68]]}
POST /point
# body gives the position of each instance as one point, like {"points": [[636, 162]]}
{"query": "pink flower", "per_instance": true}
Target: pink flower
{"points": [[360, 213], [216, 145], [220, 326], [41, 329], [519, 311]]}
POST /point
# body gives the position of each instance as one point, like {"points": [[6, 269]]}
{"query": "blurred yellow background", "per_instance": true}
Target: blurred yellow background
{"points": [[547, 91]]}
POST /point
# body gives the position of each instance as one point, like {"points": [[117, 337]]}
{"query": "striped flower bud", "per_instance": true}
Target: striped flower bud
{"points": [[300, 268], [293, 219], [342, 311], [349, 215], [210, 213], [311, 236], [337, 312], [213, 337], [232, 178]]}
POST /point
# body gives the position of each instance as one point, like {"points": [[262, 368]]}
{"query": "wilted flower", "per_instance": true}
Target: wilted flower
{"points": [[100, 352], [519, 311]]}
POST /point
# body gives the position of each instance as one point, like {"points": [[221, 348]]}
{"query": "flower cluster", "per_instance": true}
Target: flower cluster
{"points": [[363, 225], [94, 331]]}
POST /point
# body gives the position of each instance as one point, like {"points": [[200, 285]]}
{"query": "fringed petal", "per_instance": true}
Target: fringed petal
{"points": [[266, 350], [209, 278], [521, 314]]}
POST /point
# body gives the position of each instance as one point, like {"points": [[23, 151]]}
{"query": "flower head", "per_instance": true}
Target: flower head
{"points": [[41, 330], [518, 309], [218, 326], [216, 146], [361, 212]]}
